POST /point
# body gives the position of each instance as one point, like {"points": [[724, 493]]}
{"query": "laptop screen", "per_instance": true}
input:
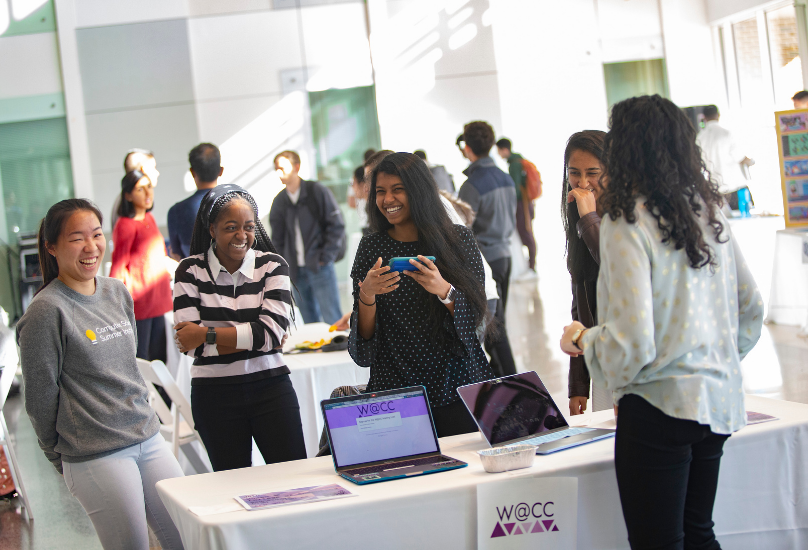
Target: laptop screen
{"points": [[512, 407], [380, 427]]}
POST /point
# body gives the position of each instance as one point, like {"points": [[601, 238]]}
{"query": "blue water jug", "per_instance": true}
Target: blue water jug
{"points": [[744, 200]]}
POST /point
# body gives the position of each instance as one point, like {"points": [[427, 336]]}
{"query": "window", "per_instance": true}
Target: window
{"points": [[753, 85], [784, 49]]}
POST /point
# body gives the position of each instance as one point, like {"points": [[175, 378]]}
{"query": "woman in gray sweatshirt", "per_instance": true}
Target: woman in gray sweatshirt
{"points": [[83, 391]]}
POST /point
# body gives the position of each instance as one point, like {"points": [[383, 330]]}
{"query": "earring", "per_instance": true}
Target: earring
{"points": [[213, 244], [254, 244]]}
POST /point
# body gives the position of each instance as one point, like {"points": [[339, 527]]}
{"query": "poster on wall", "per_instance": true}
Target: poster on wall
{"points": [[792, 142]]}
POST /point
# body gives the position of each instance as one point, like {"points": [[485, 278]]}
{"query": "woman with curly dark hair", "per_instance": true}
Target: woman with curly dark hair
{"points": [[418, 327], [583, 171], [678, 309]]}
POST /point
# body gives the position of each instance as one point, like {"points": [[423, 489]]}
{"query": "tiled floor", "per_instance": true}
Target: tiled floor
{"points": [[537, 311]]}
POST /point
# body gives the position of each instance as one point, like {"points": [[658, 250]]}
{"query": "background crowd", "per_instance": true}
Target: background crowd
{"points": [[664, 308]]}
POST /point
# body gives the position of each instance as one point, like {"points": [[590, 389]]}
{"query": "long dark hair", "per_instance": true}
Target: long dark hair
{"points": [[651, 152], [50, 228], [437, 236], [125, 208], [580, 263]]}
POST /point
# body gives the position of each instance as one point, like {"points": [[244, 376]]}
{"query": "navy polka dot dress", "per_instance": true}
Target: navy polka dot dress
{"points": [[403, 351]]}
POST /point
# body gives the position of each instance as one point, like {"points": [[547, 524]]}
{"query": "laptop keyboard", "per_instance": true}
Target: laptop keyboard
{"points": [[555, 436], [382, 467]]}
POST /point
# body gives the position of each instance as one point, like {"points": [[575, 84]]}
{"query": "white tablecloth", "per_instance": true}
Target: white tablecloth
{"points": [[788, 300], [314, 376], [761, 499]]}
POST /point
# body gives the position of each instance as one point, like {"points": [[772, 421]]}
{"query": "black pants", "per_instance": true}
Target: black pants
{"points": [[667, 473], [499, 348], [151, 338], [453, 419], [229, 416]]}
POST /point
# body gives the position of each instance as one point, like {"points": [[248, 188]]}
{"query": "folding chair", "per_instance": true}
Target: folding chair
{"points": [[6, 378], [177, 422]]}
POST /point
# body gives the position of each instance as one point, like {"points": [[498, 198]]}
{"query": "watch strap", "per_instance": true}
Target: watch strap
{"points": [[576, 337], [449, 297], [210, 337]]}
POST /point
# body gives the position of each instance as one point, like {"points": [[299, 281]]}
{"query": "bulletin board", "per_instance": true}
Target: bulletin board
{"points": [[792, 142]]}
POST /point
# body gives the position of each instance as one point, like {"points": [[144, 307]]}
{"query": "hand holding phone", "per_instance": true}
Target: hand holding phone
{"points": [[402, 263]]}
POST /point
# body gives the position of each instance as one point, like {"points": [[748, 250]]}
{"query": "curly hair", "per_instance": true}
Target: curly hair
{"points": [[580, 263], [651, 152]]}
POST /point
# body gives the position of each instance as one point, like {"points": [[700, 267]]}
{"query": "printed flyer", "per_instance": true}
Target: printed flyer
{"points": [[293, 496], [792, 141]]}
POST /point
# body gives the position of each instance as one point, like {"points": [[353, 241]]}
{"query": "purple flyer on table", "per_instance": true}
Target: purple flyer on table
{"points": [[293, 496], [757, 418]]}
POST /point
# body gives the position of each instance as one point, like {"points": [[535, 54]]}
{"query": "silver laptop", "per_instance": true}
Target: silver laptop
{"points": [[518, 409]]}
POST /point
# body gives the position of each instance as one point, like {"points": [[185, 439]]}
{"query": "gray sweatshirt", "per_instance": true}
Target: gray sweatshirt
{"points": [[83, 390]]}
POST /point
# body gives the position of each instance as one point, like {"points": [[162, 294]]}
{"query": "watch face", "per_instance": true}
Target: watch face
{"points": [[210, 337]]}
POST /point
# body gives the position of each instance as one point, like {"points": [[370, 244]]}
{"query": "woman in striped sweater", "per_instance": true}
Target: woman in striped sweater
{"points": [[232, 307]]}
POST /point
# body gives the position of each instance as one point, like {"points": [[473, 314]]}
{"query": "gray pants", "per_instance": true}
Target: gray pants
{"points": [[119, 495]]}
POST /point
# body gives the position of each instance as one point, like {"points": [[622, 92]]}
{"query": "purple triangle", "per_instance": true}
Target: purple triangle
{"points": [[555, 527], [498, 532], [509, 527], [517, 531], [537, 528], [547, 523], [526, 526]]}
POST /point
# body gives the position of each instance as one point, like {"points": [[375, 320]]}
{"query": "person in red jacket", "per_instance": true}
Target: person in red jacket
{"points": [[138, 259]]}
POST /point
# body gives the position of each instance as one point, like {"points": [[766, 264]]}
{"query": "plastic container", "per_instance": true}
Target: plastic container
{"points": [[502, 459]]}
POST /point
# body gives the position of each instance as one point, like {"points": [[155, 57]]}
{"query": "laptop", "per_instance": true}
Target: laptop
{"points": [[384, 435], [518, 409]]}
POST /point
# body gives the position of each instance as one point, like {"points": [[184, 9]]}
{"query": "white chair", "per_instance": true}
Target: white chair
{"points": [[177, 422], [6, 378]]}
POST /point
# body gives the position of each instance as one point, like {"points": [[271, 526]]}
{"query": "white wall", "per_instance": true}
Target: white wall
{"points": [[718, 10], [694, 77]]}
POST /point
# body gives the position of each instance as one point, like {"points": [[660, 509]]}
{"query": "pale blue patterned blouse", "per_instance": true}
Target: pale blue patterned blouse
{"points": [[669, 333]]}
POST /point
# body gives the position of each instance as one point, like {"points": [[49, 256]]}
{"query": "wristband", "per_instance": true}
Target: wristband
{"points": [[364, 302]]}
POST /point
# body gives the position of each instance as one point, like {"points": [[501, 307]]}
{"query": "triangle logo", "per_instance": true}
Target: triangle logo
{"points": [[526, 526], [509, 527], [537, 528], [517, 531], [555, 527], [498, 532], [547, 523]]}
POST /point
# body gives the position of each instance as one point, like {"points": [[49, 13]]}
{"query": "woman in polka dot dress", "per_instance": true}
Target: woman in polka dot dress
{"points": [[677, 310], [418, 327]]}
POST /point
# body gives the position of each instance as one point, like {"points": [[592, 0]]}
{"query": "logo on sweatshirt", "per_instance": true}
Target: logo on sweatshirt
{"points": [[91, 335]]}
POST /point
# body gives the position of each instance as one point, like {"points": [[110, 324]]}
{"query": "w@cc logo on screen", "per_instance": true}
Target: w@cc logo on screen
{"points": [[525, 519], [376, 408]]}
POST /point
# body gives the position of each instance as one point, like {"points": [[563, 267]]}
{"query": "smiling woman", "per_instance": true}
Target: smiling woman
{"points": [[84, 393], [139, 260], [232, 306]]}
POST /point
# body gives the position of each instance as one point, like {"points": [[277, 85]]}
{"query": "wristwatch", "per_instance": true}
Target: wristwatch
{"points": [[210, 337], [576, 337], [449, 297]]}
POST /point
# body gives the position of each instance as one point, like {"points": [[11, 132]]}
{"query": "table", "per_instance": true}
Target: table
{"points": [[314, 376], [788, 300], [761, 496]]}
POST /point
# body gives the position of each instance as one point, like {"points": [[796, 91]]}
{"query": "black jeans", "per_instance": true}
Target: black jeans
{"points": [[499, 348], [229, 416], [453, 419], [667, 473]]}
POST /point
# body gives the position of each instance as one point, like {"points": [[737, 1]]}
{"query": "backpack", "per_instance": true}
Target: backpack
{"points": [[532, 180], [342, 244]]}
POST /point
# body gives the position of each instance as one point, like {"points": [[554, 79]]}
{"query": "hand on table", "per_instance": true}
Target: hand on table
{"points": [[577, 405], [342, 324]]}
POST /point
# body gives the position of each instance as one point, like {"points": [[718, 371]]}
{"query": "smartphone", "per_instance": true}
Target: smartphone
{"points": [[402, 263]]}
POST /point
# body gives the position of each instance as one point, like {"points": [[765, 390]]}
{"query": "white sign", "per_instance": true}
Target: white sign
{"points": [[528, 512]]}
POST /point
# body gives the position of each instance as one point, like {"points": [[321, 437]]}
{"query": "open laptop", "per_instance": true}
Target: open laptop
{"points": [[518, 409], [384, 435]]}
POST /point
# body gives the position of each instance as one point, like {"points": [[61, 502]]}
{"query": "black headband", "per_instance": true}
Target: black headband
{"points": [[209, 201]]}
